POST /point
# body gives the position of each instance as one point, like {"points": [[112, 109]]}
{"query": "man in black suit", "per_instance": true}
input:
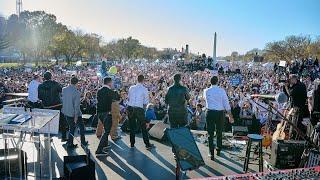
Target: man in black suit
{"points": [[176, 98], [49, 93], [105, 97]]}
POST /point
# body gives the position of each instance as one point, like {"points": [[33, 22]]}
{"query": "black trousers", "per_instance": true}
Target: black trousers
{"points": [[63, 125], [72, 126], [177, 118], [215, 122], [136, 117], [106, 120]]}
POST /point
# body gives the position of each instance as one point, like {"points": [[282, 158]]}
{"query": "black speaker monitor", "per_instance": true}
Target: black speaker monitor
{"points": [[79, 167], [286, 154]]}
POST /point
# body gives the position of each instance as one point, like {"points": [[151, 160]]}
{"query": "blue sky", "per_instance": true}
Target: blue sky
{"points": [[241, 24]]}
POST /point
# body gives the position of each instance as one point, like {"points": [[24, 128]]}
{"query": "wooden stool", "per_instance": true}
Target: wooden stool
{"points": [[253, 138]]}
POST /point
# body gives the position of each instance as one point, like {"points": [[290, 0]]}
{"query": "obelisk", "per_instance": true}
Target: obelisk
{"points": [[214, 56]]}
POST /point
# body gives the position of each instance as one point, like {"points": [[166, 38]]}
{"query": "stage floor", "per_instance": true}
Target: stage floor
{"points": [[136, 163]]}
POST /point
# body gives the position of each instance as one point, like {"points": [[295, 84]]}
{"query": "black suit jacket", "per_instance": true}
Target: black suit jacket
{"points": [[49, 92], [176, 98], [105, 97]]}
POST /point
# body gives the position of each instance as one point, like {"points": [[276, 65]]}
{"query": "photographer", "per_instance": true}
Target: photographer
{"points": [[315, 104], [297, 92]]}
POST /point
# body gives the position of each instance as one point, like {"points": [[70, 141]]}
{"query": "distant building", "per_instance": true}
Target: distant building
{"points": [[187, 49]]}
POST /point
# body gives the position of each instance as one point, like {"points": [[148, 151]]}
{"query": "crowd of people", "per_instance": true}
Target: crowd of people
{"points": [[237, 79], [159, 77]]}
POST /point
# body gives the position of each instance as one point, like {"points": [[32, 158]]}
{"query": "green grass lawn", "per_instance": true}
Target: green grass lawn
{"points": [[8, 65]]}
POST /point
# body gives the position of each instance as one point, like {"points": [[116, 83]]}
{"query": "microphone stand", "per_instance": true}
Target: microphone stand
{"points": [[300, 133]]}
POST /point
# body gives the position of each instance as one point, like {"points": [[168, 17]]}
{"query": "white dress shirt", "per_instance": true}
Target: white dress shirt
{"points": [[138, 96], [33, 91], [216, 99]]}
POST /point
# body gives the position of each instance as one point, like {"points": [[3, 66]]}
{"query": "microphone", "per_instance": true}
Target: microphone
{"points": [[280, 97]]}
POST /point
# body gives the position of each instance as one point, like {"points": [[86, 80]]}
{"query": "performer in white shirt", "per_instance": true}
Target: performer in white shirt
{"points": [[33, 99], [216, 103], [138, 98]]}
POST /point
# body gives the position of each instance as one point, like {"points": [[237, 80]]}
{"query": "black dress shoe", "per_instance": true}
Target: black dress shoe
{"points": [[211, 155], [150, 146], [132, 145]]}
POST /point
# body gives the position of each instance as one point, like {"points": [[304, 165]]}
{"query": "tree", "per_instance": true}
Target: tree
{"points": [[167, 53], [313, 50], [234, 55], [55, 47], [92, 45], [250, 54], [73, 44], [3, 44], [293, 47], [128, 46]]}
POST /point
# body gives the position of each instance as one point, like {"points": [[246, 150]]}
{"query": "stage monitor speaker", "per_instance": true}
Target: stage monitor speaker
{"points": [[286, 154], [157, 130], [10, 163], [185, 149], [79, 167]]}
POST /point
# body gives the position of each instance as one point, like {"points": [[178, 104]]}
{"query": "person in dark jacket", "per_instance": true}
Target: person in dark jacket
{"points": [[297, 92], [105, 97], [49, 93], [315, 111], [176, 98]]}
